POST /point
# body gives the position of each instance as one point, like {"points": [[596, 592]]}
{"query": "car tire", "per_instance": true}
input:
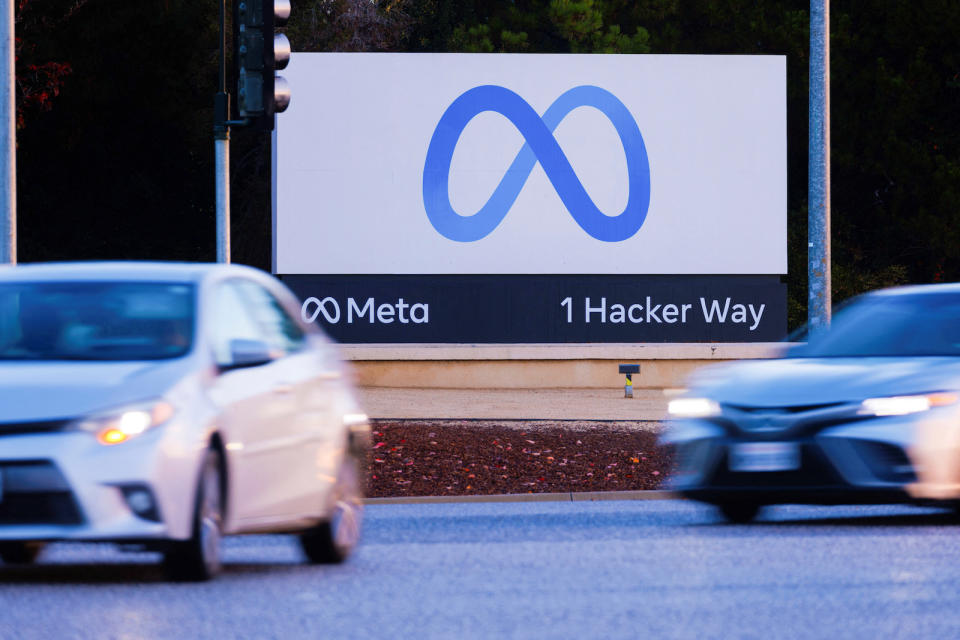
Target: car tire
{"points": [[20, 552], [333, 540], [739, 512], [198, 558]]}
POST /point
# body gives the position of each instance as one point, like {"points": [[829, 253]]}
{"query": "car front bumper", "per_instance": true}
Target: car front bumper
{"points": [[66, 486], [864, 462]]}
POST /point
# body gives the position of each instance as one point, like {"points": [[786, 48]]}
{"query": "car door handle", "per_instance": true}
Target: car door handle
{"points": [[283, 389]]}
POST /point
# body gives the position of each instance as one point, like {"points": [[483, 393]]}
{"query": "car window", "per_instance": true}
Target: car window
{"points": [[919, 324], [281, 331], [77, 320], [232, 320]]}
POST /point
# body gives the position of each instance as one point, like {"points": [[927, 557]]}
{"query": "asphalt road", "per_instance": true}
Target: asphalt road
{"points": [[647, 569]]}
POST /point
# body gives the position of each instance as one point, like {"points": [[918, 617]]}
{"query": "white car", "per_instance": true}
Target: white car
{"points": [[165, 405]]}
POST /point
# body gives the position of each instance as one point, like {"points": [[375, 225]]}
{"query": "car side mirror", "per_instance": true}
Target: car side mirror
{"points": [[248, 353]]}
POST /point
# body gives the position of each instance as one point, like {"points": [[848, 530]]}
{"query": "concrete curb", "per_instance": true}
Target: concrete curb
{"points": [[574, 496], [560, 422]]}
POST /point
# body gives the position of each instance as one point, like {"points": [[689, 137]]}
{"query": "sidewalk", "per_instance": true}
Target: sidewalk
{"points": [[512, 404]]}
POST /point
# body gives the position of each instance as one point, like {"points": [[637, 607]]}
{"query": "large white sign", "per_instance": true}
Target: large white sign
{"points": [[531, 164]]}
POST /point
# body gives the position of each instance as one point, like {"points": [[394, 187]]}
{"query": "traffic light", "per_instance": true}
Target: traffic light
{"points": [[258, 53]]}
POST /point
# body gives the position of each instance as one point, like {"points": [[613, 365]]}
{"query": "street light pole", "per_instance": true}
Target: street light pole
{"points": [[818, 194], [8, 138]]}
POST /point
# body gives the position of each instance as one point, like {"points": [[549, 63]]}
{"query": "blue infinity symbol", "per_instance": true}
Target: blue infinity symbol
{"points": [[540, 146]]}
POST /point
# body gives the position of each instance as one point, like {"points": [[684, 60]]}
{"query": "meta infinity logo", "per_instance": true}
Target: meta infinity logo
{"points": [[540, 147]]}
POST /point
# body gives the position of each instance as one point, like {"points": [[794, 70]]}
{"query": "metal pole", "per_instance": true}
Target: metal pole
{"points": [[222, 149], [221, 141], [8, 140], [818, 194]]}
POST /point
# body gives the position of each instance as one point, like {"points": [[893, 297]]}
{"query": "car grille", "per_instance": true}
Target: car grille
{"points": [[44, 426], [784, 410], [36, 492], [774, 423]]}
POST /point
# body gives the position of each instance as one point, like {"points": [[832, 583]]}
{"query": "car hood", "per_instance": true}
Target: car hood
{"points": [[38, 391], [810, 381]]}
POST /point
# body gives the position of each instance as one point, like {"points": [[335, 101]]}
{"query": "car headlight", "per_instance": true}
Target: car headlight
{"points": [[120, 424], [355, 419], [903, 405], [693, 408]]}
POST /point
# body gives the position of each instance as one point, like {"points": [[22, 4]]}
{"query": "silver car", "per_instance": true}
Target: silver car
{"points": [[867, 411], [165, 405]]}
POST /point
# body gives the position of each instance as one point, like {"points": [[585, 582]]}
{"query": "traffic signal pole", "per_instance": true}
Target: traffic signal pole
{"points": [[258, 52], [221, 143], [222, 150]]}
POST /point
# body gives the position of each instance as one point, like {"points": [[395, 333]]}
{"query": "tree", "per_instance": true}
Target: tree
{"points": [[349, 25], [39, 80]]}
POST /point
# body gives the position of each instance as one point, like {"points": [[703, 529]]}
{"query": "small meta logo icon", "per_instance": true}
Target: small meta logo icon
{"points": [[540, 147]]}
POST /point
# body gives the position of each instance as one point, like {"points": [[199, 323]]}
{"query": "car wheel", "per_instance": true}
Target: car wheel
{"points": [[741, 512], [334, 539], [198, 558], [20, 552]]}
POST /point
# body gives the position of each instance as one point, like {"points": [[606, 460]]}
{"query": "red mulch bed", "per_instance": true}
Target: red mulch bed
{"points": [[453, 458]]}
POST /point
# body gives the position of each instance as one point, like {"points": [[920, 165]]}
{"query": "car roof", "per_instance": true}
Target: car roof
{"points": [[120, 271], [913, 289]]}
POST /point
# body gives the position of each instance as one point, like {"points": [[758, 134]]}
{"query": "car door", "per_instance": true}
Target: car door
{"points": [[256, 405], [310, 431]]}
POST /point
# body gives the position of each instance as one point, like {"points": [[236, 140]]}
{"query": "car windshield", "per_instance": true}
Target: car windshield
{"points": [[916, 324], [95, 320]]}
